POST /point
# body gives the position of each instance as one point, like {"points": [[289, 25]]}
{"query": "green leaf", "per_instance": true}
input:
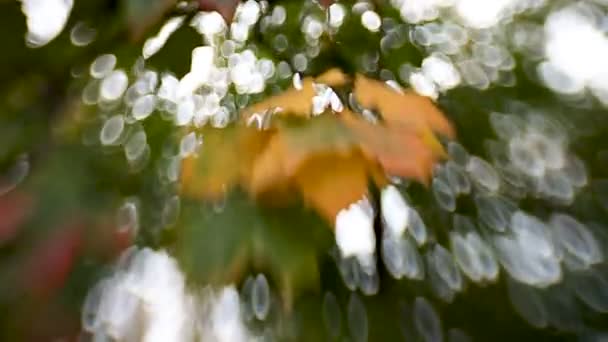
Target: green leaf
{"points": [[221, 245]]}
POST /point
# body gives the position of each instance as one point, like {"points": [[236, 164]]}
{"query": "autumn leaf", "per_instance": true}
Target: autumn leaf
{"points": [[321, 151], [318, 135], [333, 77], [15, 208], [208, 175], [144, 14], [327, 159], [401, 151], [396, 108], [226, 8], [268, 172], [297, 101], [293, 101], [404, 142], [407, 108], [47, 268], [331, 182], [225, 158], [326, 3]]}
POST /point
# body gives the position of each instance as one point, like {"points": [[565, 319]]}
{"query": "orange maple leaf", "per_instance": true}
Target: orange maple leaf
{"points": [[328, 159]]}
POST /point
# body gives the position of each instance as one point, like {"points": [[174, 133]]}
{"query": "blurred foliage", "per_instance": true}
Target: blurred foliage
{"points": [[57, 229], [221, 242]]}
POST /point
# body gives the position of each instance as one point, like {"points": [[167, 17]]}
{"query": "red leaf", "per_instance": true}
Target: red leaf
{"points": [[14, 210], [326, 3], [48, 267], [225, 8]]}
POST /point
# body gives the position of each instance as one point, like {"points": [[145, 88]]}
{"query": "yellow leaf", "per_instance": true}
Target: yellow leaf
{"points": [[293, 144], [223, 161], [330, 182], [328, 158], [333, 77], [297, 101], [292, 101], [267, 171]]}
